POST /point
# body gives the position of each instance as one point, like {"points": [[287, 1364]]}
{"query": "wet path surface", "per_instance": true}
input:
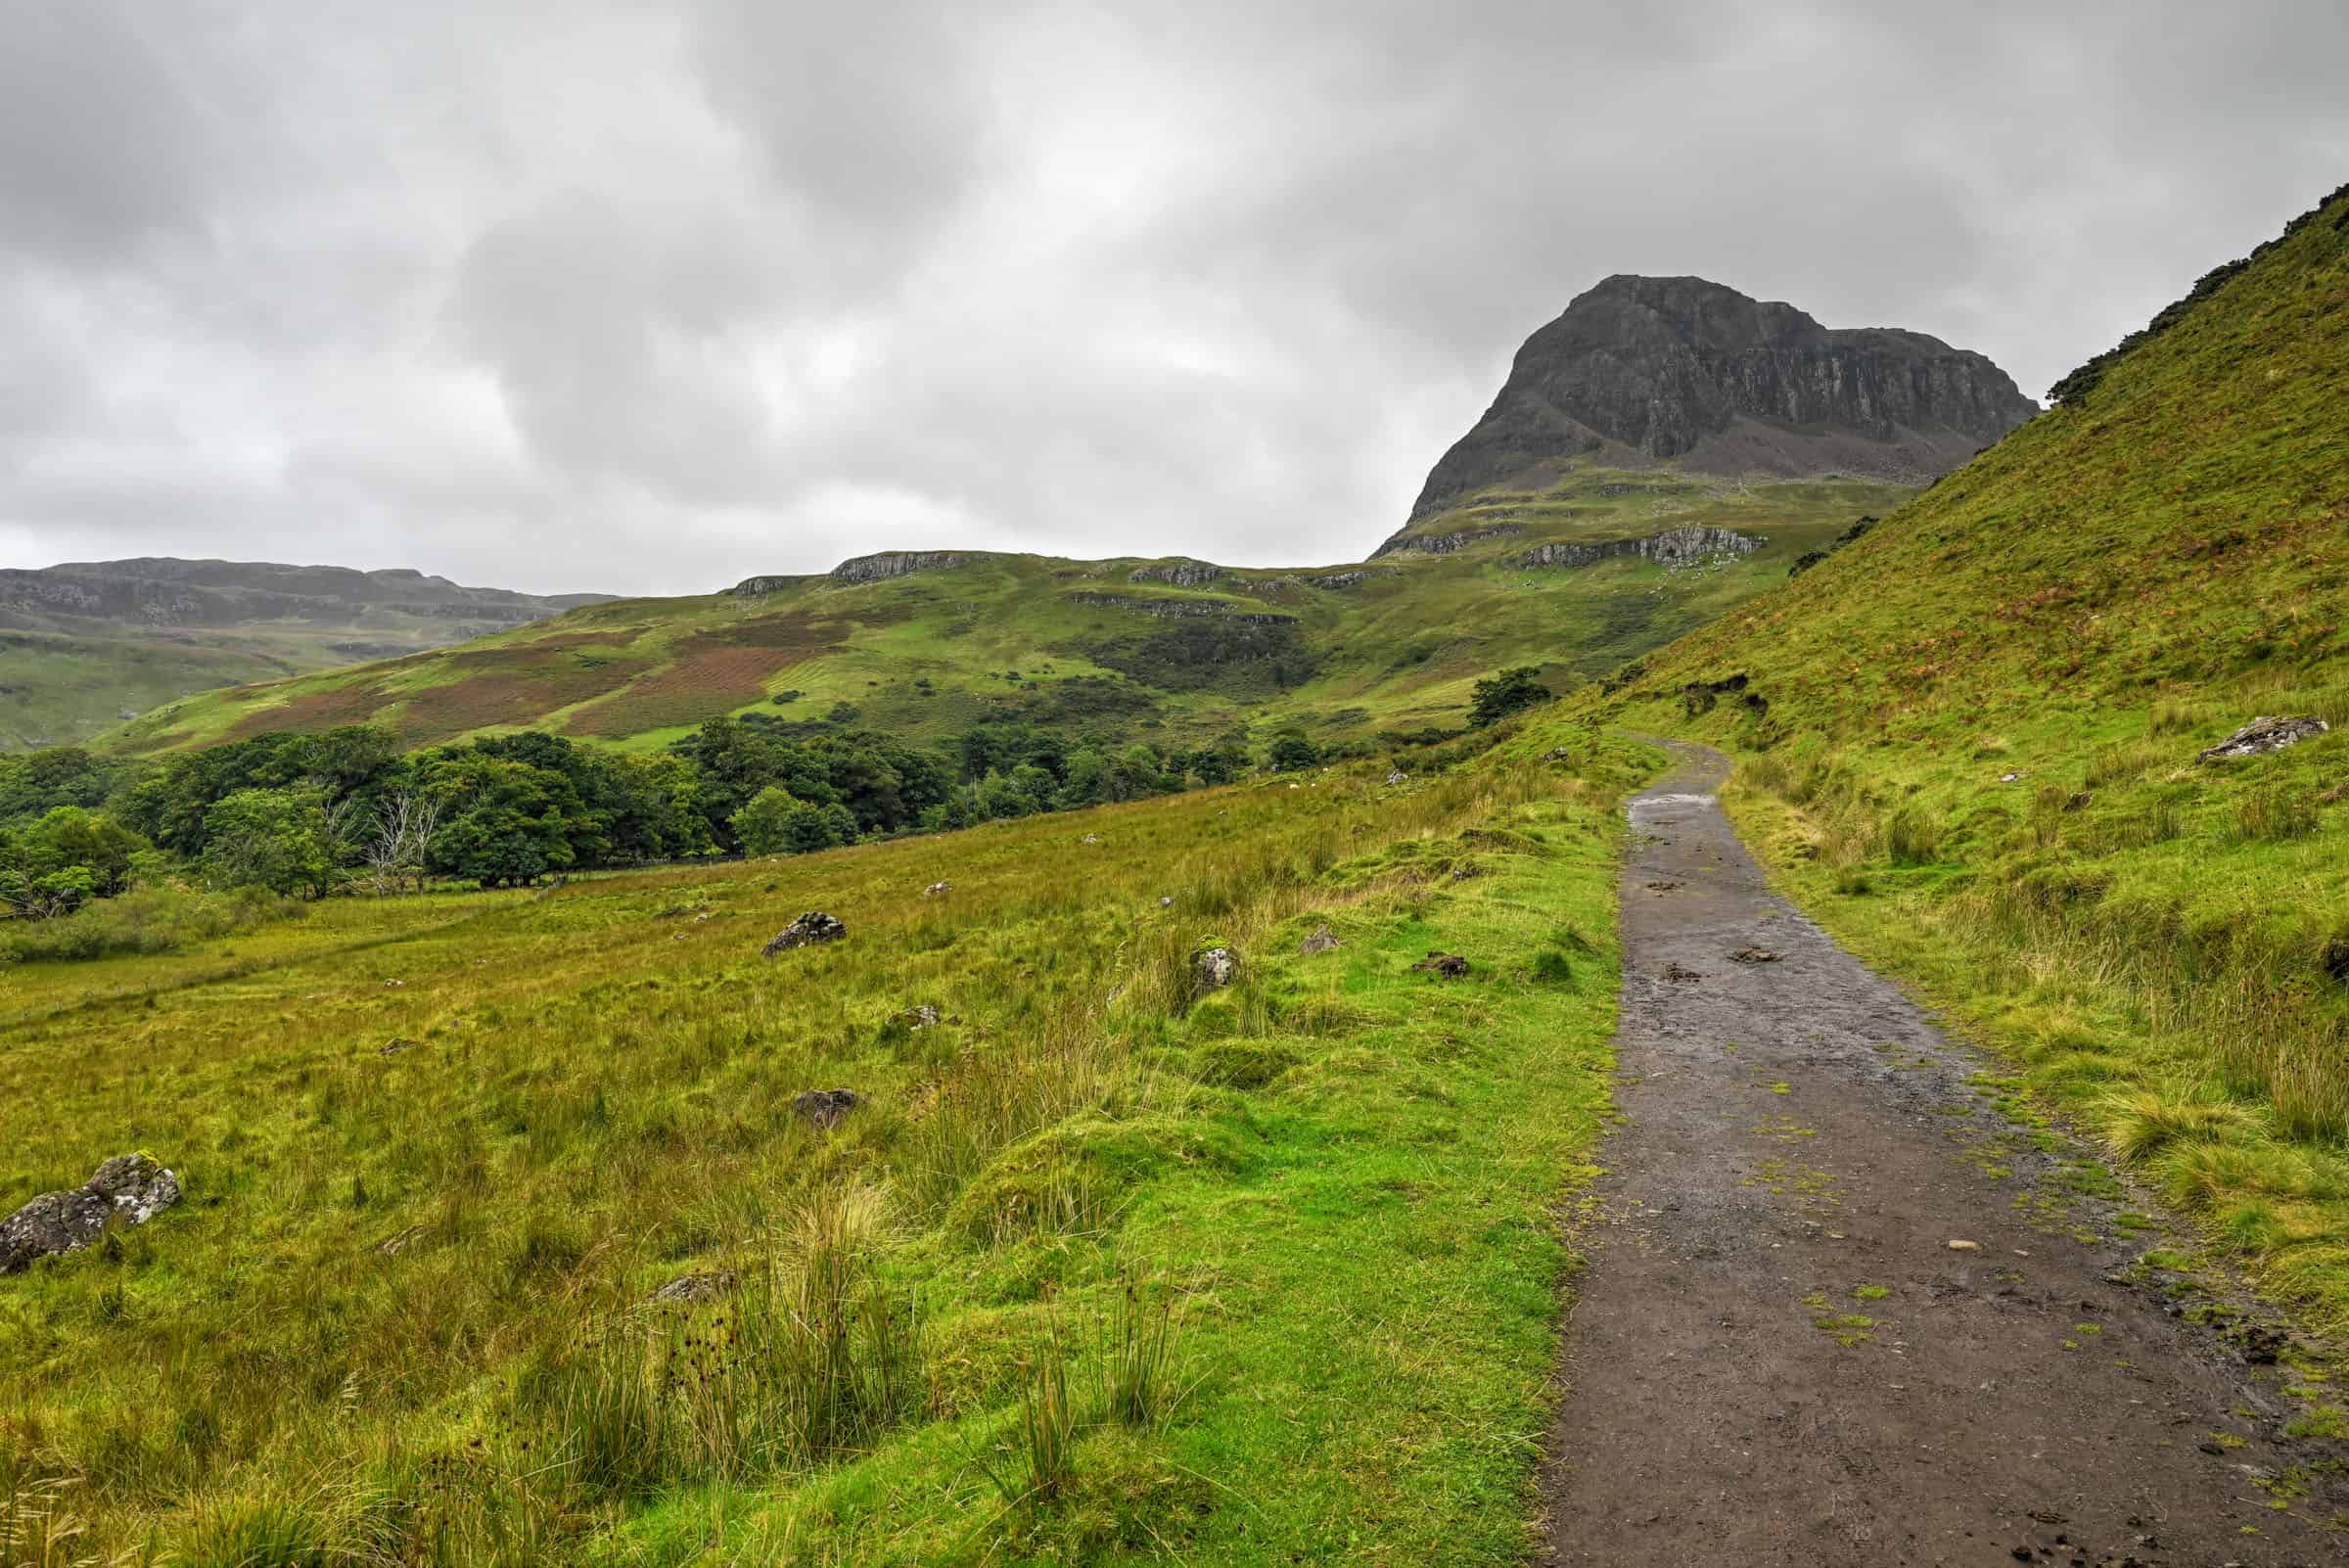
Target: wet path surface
{"points": [[1777, 1359]]}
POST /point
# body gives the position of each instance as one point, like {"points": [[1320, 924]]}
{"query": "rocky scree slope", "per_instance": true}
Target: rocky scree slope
{"points": [[1639, 371]]}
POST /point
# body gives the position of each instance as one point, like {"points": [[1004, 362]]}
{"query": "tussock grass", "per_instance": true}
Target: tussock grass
{"points": [[406, 1312]]}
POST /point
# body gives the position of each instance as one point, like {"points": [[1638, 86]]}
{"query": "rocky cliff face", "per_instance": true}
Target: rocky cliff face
{"points": [[896, 564], [1672, 548], [1640, 371]]}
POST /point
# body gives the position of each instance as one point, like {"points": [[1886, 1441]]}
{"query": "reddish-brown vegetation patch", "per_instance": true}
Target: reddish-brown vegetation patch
{"points": [[709, 678], [313, 711]]}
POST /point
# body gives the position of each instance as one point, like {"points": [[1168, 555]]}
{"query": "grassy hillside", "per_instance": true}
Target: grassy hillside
{"points": [[1100, 1263], [1106, 645], [86, 646], [1971, 743]]}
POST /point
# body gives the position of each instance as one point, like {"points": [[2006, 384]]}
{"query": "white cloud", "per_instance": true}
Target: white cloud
{"points": [[652, 298]]}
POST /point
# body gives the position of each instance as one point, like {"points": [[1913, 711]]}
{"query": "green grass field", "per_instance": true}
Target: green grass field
{"points": [[1099, 1266], [926, 656], [1977, 758]]}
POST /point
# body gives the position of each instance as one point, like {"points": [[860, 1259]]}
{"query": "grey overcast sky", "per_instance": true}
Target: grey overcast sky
{"points": [[648, 296]]}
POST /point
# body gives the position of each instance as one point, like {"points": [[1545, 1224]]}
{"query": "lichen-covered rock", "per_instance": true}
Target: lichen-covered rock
{"points": [[128, 1189], [1182, 572], [895, 564], [1683, 546], [824, 1108], [921, 1015], [2264, 734], [807, 930], [1214, 968], [1322, 941], [700, 1286]]}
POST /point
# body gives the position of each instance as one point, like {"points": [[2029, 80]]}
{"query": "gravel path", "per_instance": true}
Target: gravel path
{"points": [[1778, 1357]]}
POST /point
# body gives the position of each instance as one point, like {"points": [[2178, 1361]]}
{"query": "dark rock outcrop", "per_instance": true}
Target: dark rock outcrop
{"points": [[807, 931], [1640, 371], [128, 1189], [1673, 547], [824, 1108], [2264, 734], [895, 564], [1182, 574], [1443, 543], [1447, 965], [1179, 609]]}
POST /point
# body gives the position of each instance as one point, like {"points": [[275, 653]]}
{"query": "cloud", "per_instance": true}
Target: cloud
{"points": [[651, 299]]}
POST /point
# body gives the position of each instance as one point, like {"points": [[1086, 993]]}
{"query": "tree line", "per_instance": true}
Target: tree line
{"points": [[308, 814]]}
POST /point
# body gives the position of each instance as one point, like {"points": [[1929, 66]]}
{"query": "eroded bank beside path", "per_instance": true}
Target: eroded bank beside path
{"points": [[1778, 1357]]}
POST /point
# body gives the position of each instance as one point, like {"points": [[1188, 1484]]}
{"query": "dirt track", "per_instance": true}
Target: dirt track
{"points": [[1797, 1131]]}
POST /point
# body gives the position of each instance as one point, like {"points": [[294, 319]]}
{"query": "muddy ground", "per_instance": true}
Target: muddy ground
{"points": [[1777, 1357]]}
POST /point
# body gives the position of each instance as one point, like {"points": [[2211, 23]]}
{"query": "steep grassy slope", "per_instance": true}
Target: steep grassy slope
{"points": [[86, 646], [1129, 646], [1973, 740], [1098, 1265]]}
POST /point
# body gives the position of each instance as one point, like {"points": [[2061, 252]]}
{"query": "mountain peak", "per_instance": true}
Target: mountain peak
{"points": [[1643, 370]]}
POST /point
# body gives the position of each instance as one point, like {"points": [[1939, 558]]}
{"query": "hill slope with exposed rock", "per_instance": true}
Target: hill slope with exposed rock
{"points": [[87, 644], [1644, 371]]}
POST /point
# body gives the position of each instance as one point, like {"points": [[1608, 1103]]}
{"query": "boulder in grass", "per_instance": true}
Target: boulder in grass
{"points": [[937, 890], [1214, 968], [694, 1288], [2264, 734], [128, 1189], [1322, 941], [1448, 965], [807, 930], [824, 1108]]}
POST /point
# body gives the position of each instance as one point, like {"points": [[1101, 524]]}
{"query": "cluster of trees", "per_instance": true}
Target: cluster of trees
{"points": [[305, 815], [301, 815]]}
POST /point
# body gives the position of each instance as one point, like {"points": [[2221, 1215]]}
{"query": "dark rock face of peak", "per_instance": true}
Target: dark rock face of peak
{"points": [[1640, 371]]}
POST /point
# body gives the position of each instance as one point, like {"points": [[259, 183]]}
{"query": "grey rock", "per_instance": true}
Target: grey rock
{"points": [[1685, 546], [807, 930], [1166, 900], [824, 1108], [758, 587], [896, 564], [701, 1286], [921, 1015], [937, 890], [1183, 572], [1444, 543], [1214, 968], [2264, 734], [1322, 941], [1397, 776], [1639, 371], [128, 1189]]}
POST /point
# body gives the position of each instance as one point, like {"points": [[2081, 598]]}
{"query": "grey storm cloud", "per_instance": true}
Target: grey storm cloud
{"points": [[647, 298]]}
